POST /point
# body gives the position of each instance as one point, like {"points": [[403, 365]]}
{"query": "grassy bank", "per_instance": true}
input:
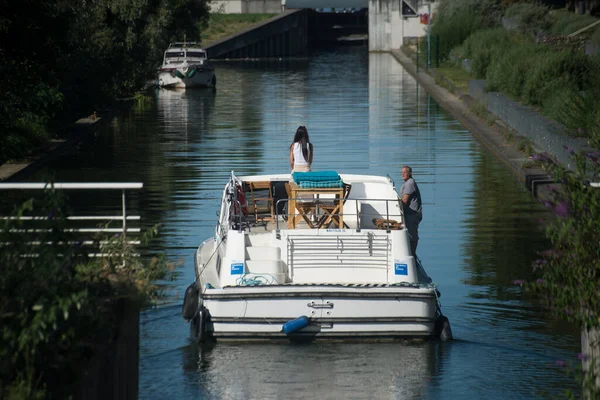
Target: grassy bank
{"points": [[526, 51], [534, 62], [223, 25]]}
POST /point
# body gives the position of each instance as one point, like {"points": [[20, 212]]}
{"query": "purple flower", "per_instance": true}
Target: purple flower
{"points": [[548, 204], [569, 149], [539, 281], [560, 363], [519, 282], [583, 357], [593, 156], [562, 209], [117, 235]]}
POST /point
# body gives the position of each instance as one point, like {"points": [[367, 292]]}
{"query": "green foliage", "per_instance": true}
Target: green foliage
{"points": [[483, 47], [222, 25], [535, 74], [566, 22], [56, 302], [456, 20], [569, 273], [508, 73], [550, 69], [530, 17], [65, 58], [576, 109]]}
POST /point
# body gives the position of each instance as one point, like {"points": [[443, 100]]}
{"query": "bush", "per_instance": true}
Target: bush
{"points": [[531, 18], [566, 23], [481, 46], [56, 302], [456, 20], [552, 69], [508, 69]]}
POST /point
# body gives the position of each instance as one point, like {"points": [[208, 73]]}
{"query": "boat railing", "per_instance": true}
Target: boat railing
{"points": [[365, 211], [93, 227]]}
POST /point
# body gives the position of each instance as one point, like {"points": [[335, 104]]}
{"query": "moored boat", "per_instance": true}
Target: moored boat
{"points": [[185, 65], [335, 265]]}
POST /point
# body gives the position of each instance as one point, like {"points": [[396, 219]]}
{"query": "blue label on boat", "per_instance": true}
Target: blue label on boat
{"points": [[237, 269], [400, 269]]}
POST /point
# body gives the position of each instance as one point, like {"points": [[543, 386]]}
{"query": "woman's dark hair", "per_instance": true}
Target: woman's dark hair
{"points": [[302, 137]]}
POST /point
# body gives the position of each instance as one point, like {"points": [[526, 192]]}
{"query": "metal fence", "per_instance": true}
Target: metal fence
{"points": [[104, 216]]}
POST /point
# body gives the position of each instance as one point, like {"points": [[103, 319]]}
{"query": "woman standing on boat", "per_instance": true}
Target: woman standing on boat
{"points": [[301, 151]]}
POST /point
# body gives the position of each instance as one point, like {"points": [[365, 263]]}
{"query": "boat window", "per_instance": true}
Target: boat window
{"points": [[174, 54], [196, 54]]}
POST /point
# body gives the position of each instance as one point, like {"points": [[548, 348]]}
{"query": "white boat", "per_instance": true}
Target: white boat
{"points": [[348, 276], [185, 64]]}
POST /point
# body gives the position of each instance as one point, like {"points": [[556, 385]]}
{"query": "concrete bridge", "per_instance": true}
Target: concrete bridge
{"points": [[390, 21]]}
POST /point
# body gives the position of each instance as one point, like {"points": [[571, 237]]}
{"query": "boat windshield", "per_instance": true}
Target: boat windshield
{"points": [[174, 56], [197, 54]]}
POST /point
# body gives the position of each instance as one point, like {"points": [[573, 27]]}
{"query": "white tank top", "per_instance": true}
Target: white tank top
{"points": [[298, 156]]}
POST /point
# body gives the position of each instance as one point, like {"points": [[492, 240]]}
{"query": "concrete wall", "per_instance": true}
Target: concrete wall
{"points": [[547, 134], [281, 36], [385, 25], [246, 6], [326, 4], [412, 26]]}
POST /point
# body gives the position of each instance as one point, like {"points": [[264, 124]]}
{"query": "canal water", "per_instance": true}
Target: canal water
{"points": [[366, 115]]}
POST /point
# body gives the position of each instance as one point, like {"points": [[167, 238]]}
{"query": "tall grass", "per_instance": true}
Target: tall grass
{"points": [[539, 75], [566, 22], [456, 20], [481, 49], [530, 17]]}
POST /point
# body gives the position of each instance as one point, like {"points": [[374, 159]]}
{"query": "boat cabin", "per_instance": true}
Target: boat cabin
{"points": [[179, 52], [350, 233]]}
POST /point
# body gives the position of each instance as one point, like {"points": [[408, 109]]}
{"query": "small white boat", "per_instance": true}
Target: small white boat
{"points": [[185, 65], [343, 270]]}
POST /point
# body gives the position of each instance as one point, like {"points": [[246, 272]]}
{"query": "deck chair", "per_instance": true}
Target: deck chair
{"points": [[331, 209], [262, 205], [306, 208]]}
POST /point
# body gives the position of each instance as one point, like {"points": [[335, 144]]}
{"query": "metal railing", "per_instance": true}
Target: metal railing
{"points": [[101, 222], [365, 251], [358, 205]]}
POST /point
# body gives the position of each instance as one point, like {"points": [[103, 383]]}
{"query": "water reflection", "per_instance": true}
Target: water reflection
{"points": [[341, 370], [365, 115]]}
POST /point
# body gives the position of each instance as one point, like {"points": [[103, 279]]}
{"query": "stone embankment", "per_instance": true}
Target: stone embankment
{"points": [[515, 127]]}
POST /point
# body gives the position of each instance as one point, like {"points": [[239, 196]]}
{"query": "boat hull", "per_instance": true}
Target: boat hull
{"points": [[335, 312], [177, 78]]}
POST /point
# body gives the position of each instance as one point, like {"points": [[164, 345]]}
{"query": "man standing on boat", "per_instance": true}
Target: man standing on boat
{"points": [[411, 201]]}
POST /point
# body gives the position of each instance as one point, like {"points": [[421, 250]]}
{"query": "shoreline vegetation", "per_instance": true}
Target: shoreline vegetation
{"points": [[90, 70], [57, 315], [523, 49], [223, 25]]}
